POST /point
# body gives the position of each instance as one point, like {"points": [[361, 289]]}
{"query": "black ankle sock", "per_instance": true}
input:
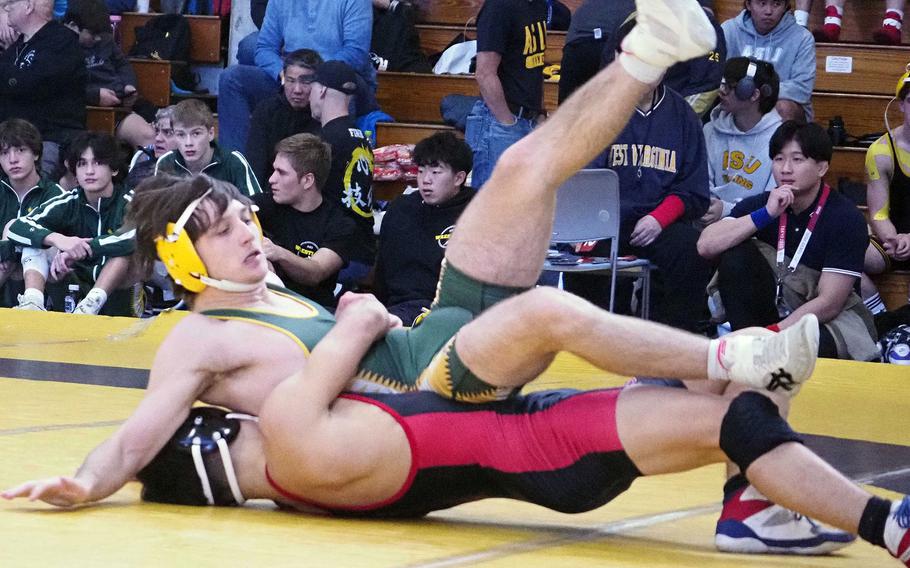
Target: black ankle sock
{"points": [[872, 523], [733, 485]]}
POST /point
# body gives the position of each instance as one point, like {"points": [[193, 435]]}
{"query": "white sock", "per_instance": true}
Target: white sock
{"points": [[716, 369], [889, 21], [875, 304], [644, 72], [802, 17]]}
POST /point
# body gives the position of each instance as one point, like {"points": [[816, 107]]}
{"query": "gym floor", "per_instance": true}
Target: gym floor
{"points": [[66, 382]]}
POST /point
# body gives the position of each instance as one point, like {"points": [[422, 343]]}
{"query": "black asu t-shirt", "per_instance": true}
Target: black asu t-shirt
{"points": [[350, 182], [305, 233], [517, 30]]}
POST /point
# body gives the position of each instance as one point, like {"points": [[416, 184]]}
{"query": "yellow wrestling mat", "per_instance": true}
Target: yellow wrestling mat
{"points": [[54, 412]]}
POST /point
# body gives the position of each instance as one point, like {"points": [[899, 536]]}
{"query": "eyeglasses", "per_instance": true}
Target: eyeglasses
{"points": [[300, 80]]}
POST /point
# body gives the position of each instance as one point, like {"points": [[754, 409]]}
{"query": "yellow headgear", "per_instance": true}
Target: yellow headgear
{"points": [[183, 263], [904, 80]]}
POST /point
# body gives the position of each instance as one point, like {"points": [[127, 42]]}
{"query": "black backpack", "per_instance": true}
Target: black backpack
{"points": [[167, 38], [395, 44], [164, 37]]}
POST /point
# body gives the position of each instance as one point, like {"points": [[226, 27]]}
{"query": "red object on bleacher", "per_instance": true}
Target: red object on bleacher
{"points": [[221, 7]]}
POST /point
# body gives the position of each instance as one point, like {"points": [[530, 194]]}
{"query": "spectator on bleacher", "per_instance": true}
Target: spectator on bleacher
{"points": [[336, 29], [593, 24], [83, 225], [738, 135], [765, 282], [198, 153], [888, 34], [698, 80], [591, 45], [44, 78], [767, 30], [142, 164], [350, 182], [307, 238], [285, 114], [246, 47], [417, 227], [22, 189], [111, 80], [888, 193], [511, 41], [663, 178]]}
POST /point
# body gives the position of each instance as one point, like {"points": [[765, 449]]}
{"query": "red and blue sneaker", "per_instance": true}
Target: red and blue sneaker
{"points": [[751, 524], [897, 531]]}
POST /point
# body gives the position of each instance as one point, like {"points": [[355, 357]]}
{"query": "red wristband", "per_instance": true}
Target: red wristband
{"points": [[773, 327], [669, 210]]}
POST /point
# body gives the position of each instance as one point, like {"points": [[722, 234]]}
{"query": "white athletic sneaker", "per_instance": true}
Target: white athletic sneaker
{"points": [[92, 303], [29, 303], [897, 531], [750, 524], [666, 32], [782, 361]]}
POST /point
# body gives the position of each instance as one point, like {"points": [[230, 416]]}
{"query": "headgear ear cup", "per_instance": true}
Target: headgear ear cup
{"points": [[178, 254], [181, 259], [904, 80]]}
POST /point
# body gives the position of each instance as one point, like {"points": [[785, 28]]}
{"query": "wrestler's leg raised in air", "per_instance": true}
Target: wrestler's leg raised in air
{"points": [[502, 236]]}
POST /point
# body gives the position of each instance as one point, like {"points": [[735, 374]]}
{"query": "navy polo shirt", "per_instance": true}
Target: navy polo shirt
{"points": [[838, 243]]}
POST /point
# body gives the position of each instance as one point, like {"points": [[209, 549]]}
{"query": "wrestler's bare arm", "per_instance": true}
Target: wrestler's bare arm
{"points": [[304, 401], [877, 197], [181, 371]]}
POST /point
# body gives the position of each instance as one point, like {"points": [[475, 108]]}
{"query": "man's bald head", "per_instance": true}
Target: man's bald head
{"points": [[44, 9]]}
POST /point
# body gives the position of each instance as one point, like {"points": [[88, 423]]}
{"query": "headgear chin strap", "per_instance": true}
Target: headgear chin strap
{"points": [[184, 264]]}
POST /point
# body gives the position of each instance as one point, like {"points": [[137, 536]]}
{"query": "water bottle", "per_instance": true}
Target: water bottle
{"points": [[71, 300]]}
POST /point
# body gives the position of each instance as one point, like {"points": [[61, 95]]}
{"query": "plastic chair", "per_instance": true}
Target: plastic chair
{"points": [[587, 209]]}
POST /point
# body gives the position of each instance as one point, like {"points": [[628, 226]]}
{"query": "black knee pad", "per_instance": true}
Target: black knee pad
{"points": [[753, 427]]}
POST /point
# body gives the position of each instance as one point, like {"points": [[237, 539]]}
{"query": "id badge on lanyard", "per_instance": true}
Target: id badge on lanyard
{"points": [[783, 309]]}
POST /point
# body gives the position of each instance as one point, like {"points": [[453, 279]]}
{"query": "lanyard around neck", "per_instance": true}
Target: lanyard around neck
{"points": [[803, 242]]}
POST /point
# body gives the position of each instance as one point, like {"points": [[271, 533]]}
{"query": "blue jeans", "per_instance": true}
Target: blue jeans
{"points": [[246, 49], [240, 89], [489, 138]]}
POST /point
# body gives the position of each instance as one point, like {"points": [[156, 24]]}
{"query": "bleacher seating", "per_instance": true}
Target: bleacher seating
{"points": [[205, 35], [408, 132], [861, 17], [415, 97], [859, 97], [435, 38], [893, 288], [207, 46]]}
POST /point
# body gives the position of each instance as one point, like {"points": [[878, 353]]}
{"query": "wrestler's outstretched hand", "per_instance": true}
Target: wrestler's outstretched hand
{"points": [[61, 491]]}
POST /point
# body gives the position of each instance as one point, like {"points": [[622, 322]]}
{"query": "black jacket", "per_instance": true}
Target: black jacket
{"points": [[43, 81], [411, 246], [273, 121], [107, 68]]}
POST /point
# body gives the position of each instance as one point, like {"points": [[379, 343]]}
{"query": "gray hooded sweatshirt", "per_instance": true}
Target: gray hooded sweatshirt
{"points": [[789, 47], [738, 162]]}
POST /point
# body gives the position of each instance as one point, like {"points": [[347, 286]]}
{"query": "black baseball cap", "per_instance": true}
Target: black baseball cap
{"points": [[337, 75]]}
